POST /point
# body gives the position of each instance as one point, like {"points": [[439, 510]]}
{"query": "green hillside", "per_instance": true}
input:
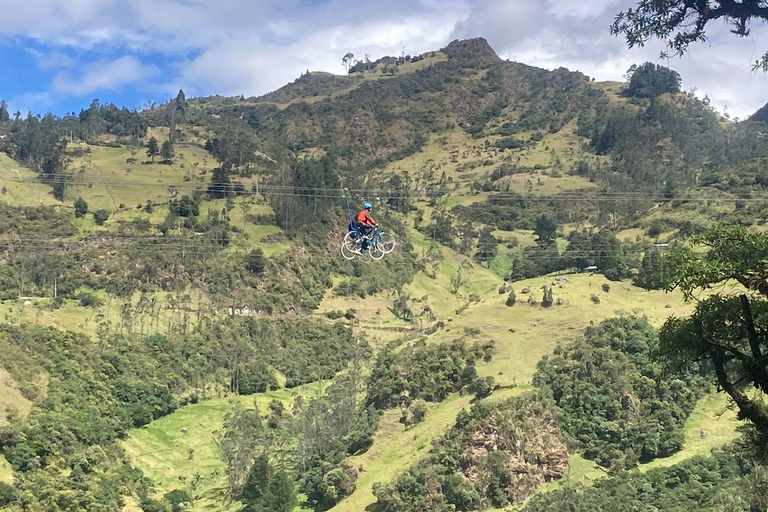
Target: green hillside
{"points": [[181, 331]]}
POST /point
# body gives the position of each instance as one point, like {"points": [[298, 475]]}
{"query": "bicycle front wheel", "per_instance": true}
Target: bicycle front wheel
{"points": [[375, 251], [386, 242]]}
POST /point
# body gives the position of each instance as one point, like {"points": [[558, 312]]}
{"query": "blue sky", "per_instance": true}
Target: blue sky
{"points": [[58, 55]]}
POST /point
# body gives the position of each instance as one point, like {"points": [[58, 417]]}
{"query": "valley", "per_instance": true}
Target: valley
{"points": [[180, 331]]}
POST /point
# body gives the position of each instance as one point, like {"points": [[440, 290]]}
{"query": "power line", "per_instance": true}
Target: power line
{"points": [[337, 193]]}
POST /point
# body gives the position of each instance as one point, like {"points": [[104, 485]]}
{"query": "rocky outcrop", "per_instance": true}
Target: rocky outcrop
{"points": [[519, 453]]}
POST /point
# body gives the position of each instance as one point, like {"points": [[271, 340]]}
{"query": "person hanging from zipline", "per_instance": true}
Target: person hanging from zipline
{"points": [[365, 223]]}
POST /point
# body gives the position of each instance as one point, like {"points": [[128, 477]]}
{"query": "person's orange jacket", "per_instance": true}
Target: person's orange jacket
{"points": [[365, 218]]}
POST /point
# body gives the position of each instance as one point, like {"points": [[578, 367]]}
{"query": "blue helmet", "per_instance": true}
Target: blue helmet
{"points": [[367, 206]]}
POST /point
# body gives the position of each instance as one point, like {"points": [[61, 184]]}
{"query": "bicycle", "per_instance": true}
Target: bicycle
{"points": [[376, 244]]}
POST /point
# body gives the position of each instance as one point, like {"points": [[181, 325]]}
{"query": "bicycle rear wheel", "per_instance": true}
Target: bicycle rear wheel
{"points": [[351, 242], [346, 253]]}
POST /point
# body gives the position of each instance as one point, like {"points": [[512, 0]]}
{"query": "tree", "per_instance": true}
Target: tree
{"points": [[81, 207], [442, 228], [177, 498], [683, 22], [255, 262], [650, 80], [487, 247], [347, 61], [511, 299], [220, 186], [152, 148], [4, 116], [729, 328], [167, 152], [654, 273], [546, 299], [181, 101], [546, 230]]}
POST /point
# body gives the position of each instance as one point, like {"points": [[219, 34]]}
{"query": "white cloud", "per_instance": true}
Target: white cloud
{"points": [[30, 102], [103, 75], [251, 47], [251, 67], [48, 61]]}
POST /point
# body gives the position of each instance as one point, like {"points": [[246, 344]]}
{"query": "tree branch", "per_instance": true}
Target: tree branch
{"points": [[748, 408]]}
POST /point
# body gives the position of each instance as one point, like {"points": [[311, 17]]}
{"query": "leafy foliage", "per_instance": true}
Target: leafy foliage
{"points": [[710, 484], [654, 273], [622, 410], [683, 23], [727, 328], [650, 80], [495, 455], [424, 371]]}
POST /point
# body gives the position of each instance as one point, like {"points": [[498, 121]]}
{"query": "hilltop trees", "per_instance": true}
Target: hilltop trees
{"points": [[4, 116], [683, 22], [348, 60], [650, 80]]}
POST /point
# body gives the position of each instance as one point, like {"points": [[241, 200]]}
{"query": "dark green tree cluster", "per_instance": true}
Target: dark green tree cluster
{"points": [[650, 80], [315, 184], [655, 272], [708, 484], [234, 146], [268, 489], [623, 410], [302, 349], [259, 483], [425, 371], [600, 248], [487, 247]]}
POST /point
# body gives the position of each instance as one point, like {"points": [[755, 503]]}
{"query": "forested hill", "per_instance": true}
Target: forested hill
{"points": [[761, 114], [181, 332]]}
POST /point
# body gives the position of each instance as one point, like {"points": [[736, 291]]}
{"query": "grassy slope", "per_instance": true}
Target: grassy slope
{"points": [[20, 186], [523, 333], [162, 451], [6, 474], [11, 398], [537, 332]]}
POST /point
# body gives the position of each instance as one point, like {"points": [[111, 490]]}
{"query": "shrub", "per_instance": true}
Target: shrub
{"points": [[81, 207], [100, 217], [547, 299], [606, 287], [594, 298], [511, 299], [88, 300]]}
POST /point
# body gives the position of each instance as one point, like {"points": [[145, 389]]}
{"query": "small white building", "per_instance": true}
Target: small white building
{"points": [[590, 269]]}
